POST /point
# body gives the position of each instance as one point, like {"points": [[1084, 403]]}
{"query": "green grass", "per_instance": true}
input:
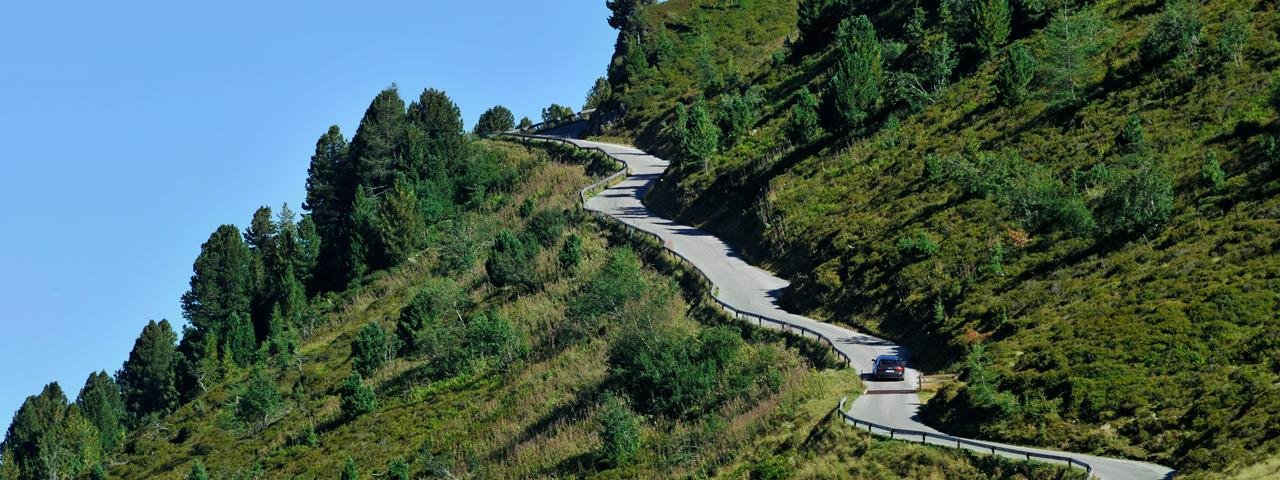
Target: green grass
{"points": [[1159, 347]]}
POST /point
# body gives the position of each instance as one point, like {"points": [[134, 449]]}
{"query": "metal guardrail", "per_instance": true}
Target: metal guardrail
{"points": [[909, 435], [760, 320]]}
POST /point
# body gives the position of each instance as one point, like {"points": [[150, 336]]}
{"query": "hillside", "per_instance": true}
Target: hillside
{"points": [[1070, 204], [445, 310]]}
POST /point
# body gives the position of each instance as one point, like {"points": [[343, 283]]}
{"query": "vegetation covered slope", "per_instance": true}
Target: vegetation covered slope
{"points": [[1073, 204], [444, 311]]}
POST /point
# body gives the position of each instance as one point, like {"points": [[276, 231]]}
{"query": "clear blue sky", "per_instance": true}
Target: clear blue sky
{"points": [[131, 132]]}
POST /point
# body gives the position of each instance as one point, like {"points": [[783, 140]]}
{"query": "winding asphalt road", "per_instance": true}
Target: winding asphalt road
{"points": [[755, 290]]}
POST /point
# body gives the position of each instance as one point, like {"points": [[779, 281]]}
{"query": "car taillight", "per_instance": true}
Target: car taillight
{"points": [[899, 369]]}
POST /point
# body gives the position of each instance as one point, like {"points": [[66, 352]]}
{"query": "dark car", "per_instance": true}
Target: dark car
{"points": [[887, 367]]}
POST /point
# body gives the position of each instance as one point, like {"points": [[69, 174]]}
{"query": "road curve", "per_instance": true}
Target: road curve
{"points": [[752, 289]]}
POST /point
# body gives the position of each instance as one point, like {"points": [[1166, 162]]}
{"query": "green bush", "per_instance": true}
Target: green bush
{"points": [[490, 335], [511, 261], [419, 320], [398, 469], [737, 114], [1211, 173], [546, 226], [356, 398], [495, 120], [198, 471], [1274, 97], [1013, 80], [1175, 34], [370, 349], [1138, 199], [571, 252], [775, 467], [608, 290], [803, 126], [526, 208], [917, 246], [1133, 137], [619, 433], [349, 470]]}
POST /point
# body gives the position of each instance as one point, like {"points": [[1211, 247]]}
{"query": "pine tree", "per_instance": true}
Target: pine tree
{"points": [[1132, 138], [147, 377], [8, 464], [495, 120], [571, 252], [398, 469], [510, 261], [263, 239], [703, 136], [854, 89], [259, 400], [356, 398], [36, 419], [363, 238], [305, 254], [240, 341], [991, 24], [1073, 39], [220, 291], [379, 141], [803, 126], [101, 405], [525, 123], [415, 327], [1013, 80], [198, 471], [441, 122], [330, 189], [404, 231], [71, 449], [370, 349], [556, 112], [600, 93]]}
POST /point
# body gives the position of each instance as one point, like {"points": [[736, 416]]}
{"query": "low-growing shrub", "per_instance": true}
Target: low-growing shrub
{"points": [[619, 433], [546, 226], [356, 398], [370, 350]]}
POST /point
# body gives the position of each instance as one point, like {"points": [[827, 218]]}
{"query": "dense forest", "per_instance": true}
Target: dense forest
{"points": [[1071, 204]]}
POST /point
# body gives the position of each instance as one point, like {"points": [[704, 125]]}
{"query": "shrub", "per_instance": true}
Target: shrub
{"points": [[398, 469], [917, 246], [775, 467], [737, 113], [619, 433], [526, 208], [571, 252], [1212, 174], [1234, 38], [356, 398], [416, 327], [1013, 81], [546, 226], [936, 62], [490, 335], [1072, 40], [370, 350], [608, 290], [349, 470], [1175, 35], [1274, 98], [802, 126], [1138, 199], [259, 400], [510, 262], [556, 112]]}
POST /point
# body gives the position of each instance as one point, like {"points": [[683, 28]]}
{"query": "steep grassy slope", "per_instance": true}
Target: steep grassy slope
{"points": [[540, 415], [1159, 346]]}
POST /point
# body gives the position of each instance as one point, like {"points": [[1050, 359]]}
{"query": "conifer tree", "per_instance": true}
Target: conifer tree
{"points": [[36, 419], [703, 136], [991, 24], [1073, 39], [441, 123], [363, 237], [495, 120], [510, 261], [379, 141], [403, 229], [599, 93], [147, 378], [220, 292], [330, 189], [259, 400], [349, 470], [369, 351], [803, 125], [355, 398], [305, 254], [525, 123], [101, 405], [198, 471], [1013, 80], [854, 89]]}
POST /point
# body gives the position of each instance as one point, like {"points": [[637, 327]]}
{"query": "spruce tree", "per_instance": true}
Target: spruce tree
{"points": [[259, 400], [355, 398], [1132, 138], [240, 341], [349, 470], [854, 89], [147, 377], [702, 137], [101, 405], [305, 254], [398, 469], [495, 120], [1072, 40], [510, 261], [330, 189], [440, 121], [600, 93], [363, 237], [35, 421]]}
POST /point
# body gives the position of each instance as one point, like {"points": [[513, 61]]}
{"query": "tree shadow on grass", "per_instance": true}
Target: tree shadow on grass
{"points": [[567, 413]]}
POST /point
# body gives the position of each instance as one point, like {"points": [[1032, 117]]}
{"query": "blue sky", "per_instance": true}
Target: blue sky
{"points": [[132, 131]]}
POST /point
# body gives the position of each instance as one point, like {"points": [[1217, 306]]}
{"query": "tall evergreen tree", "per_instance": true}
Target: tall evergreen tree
{"points": [[854, 89], [363, 237], [1073, 39], [37, 418], [221, 289], [495, 120], [440, 121], [330, 189], [304, 255], [379, 143], [101, 404], [991, 24], [147, 378], [702, 136], [265, 266], [1013, 80], [600, 92], [198, 471]]}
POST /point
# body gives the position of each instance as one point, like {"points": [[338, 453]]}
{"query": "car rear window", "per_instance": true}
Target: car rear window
{"points": [[889, 362]]}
